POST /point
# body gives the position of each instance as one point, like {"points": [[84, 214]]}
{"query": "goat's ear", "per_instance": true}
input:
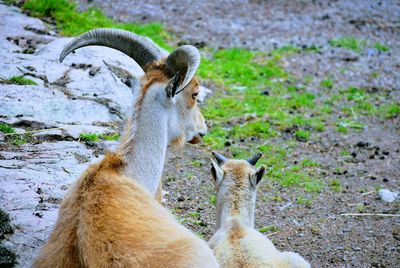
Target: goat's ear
{"points": [[216, 172], [124, 75], [173, 85], [255, 180]]}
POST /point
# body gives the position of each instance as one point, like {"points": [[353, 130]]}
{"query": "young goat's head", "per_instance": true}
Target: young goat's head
{"points": [[168, 82], [236, 185]]}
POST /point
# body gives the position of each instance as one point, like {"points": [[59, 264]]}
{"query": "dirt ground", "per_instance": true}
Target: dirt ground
{"points": [[317, 231]]}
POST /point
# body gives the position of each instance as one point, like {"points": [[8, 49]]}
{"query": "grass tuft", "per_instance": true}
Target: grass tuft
{"points": [[348, 42], [327, 83], [94, 137], [268, 229], [381, 48], [335, 185], [6, 128], [18, 80], [70, 22]]}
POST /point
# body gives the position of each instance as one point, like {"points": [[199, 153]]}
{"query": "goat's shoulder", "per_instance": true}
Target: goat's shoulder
{"points": [[118, 214]]}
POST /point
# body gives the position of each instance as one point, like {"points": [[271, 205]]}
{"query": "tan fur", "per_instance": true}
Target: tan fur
{"points": [[158, 196], [236, 244], [158, 73], [108, 220], [238, 171]]}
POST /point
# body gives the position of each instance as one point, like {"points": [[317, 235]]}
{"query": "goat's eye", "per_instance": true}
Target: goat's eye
{"points": [[194, 95]]}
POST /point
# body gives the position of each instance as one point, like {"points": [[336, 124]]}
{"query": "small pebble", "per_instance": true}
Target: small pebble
{"points": [[385, 179], [387, 196]]}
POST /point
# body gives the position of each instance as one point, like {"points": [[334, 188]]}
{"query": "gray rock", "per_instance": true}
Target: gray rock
{"points": [[34, 179], [48, 135], [74, 131], [50, 106], [344, 54], [387, 195]]}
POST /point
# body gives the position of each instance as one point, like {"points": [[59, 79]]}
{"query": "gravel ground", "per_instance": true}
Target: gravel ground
{"points": [[316, 231]]}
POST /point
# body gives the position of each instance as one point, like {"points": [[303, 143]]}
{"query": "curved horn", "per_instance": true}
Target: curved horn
{"points": [[253, 160], [185, 59], [219, 157], [137, 47]]}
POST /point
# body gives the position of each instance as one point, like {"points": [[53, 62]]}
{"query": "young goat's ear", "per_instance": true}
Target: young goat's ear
{"points": [[255, 180], [173, 85], [216, 172]]}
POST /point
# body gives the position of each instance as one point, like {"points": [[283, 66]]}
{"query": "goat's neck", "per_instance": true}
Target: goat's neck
{"points": [[144, 142], [242, 211]]}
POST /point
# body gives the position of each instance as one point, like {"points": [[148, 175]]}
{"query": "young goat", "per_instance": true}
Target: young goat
{"points": [[236, 243], [109, 218]]}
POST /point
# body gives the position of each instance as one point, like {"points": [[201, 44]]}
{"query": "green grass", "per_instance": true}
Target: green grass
{"points": [[381, 48], [285, 50], [360, 208], [288, 112], [348, 42], [212, 200], [390, 110], [236, 66], [19, 80], [71, 22], [110, 137], [195, 215], [302, 134], [308, 163], [268, 229], [89, 137], [197, 163], [6, 128], [19, 139], [327, 83], [15, 139], [344, 125], [302, 200], [335, 185], [94, 137]]}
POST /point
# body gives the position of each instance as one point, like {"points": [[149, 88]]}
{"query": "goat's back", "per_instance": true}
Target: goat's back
{"points": [[241, 246], [108, 220]]}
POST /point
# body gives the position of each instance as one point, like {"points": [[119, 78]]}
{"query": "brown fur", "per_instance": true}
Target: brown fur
{"points": [[238, 171], [157, 72], [108, 220], [236, 243], [154, 72], [236, 233], [158, 196]]}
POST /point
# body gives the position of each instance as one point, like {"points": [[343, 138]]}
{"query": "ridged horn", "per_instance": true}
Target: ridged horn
{"points": [[185, 59], [219, 157], [253, 160], [137, 47]]}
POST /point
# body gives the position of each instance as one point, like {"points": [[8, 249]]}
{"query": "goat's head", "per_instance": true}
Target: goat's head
{"points": [[236, 183], [169, 78]]}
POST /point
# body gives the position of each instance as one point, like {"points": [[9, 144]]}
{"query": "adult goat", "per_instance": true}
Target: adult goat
{"points": [[109, 218]]}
